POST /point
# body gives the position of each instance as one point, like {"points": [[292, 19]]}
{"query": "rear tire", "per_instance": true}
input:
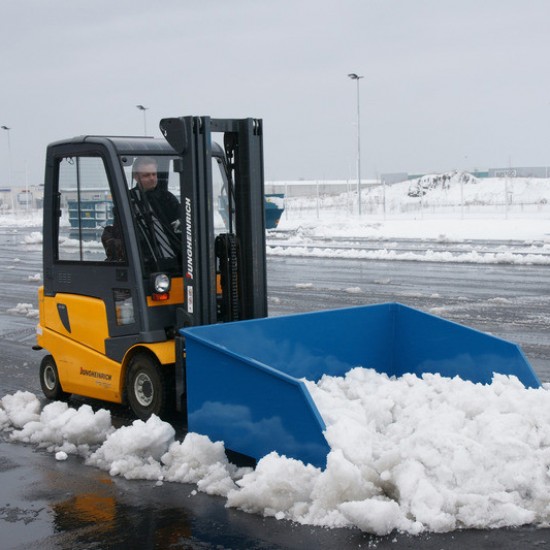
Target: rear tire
{"points": [[146, 388], [49, 380]]}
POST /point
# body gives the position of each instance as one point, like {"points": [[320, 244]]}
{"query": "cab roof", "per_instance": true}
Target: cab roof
{"points": [[128, 145]]}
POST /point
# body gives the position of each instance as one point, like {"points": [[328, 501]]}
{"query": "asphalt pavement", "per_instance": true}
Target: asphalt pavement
{"points": [[51, 504]]}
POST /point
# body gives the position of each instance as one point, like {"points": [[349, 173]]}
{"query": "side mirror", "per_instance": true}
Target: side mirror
{"points": [[173, 130]]}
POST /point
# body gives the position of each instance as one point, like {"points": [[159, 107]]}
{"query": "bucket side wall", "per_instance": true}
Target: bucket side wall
{"points": [[254, 410], [428, 344], [310, 345]]}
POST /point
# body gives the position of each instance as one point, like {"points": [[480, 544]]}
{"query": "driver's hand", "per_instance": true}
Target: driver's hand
{"points": [[176, 226]]}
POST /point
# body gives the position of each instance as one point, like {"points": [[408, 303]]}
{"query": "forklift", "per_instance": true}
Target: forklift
{"points": [[111, 325], [177, 317]]}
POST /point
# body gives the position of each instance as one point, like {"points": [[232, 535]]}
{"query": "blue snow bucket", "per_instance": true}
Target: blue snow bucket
{"points": [[244, 382]]}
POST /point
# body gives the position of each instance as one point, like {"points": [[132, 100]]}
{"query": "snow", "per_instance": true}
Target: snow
{"points": [[410, 454], [455, 208], [453, 214], [34, 238], [24, 309], [529, 229], [427, 255]]}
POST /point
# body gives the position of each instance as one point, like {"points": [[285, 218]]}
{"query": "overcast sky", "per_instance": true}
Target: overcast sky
{"points": [[447, 83]]}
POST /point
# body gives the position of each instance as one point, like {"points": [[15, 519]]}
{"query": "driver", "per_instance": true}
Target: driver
{"points": [[157, 212]]}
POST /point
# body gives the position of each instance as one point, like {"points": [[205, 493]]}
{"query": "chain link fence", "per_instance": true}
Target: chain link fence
{"points": [[454, 198]]}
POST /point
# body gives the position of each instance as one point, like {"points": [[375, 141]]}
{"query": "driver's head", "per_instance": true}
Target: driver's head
{"points": [[144, 172]]}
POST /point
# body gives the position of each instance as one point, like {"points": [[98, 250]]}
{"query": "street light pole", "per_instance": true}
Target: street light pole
{"points": [[357, 77], [7, 129], [143, 108]]}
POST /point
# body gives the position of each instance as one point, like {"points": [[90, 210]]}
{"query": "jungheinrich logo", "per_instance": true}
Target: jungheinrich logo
{"points": [[95, 374], [189, 237]]}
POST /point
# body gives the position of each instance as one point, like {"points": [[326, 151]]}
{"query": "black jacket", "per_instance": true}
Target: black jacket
{"points": [[158, 203]]}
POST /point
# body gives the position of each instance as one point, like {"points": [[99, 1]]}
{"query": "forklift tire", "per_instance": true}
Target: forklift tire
{"points": [[49, 380], [146, 388]]}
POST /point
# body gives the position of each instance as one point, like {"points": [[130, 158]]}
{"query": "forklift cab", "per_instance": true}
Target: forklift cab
{"points": [[110, 322]]}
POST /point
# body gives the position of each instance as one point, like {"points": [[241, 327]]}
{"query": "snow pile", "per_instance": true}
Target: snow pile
{"points": [[456, 206], [58, 428], [408, 454], [134, 451], [27, 218], [529, 229], [19, 409], [437, 215], [540, 257], [420, 186], [462, 188], [27, 310], [450, 453], [34, 238], [198, 460]]}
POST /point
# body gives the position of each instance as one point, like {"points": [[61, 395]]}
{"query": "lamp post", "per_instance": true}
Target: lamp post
{"points": [[357, 77], [7, 129], [143, 108]]}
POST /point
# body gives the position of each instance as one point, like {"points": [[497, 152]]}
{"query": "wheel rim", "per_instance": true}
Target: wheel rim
{"points": [[143, 389], [50, 378]]}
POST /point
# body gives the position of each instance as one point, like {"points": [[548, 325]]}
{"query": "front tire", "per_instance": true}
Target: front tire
{"points": [[145, 386], [49, 380]]}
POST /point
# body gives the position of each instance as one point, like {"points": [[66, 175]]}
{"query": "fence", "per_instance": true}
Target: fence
{"points": [[497, 199]]}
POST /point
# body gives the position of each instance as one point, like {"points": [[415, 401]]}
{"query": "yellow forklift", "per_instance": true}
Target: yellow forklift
{"points": [[110, 322]]}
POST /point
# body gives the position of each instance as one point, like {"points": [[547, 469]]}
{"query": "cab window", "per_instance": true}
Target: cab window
{"points": [[85, 208]]}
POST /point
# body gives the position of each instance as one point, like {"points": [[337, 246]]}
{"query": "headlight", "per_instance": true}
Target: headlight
{"points": [[161, 283]]}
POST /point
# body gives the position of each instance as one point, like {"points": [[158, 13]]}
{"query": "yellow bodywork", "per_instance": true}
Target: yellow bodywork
{"points": [[79, 353]]}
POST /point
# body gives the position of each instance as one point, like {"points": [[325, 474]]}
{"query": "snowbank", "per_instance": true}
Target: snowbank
{"points": [[407, 454], [452, 207], [538, 256]]}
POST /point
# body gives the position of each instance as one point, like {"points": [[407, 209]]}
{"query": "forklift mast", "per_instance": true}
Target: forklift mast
{"points": [[237, 257]]}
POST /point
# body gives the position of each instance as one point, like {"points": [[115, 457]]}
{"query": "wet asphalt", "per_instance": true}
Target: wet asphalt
{"points": [[51, 504]]}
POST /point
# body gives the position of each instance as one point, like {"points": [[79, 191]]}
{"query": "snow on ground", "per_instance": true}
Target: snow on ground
{"points": [[23, 218], [538, 256], [454, 230], [451, 214], [409, 454], [26, 310], [454, 208]]}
